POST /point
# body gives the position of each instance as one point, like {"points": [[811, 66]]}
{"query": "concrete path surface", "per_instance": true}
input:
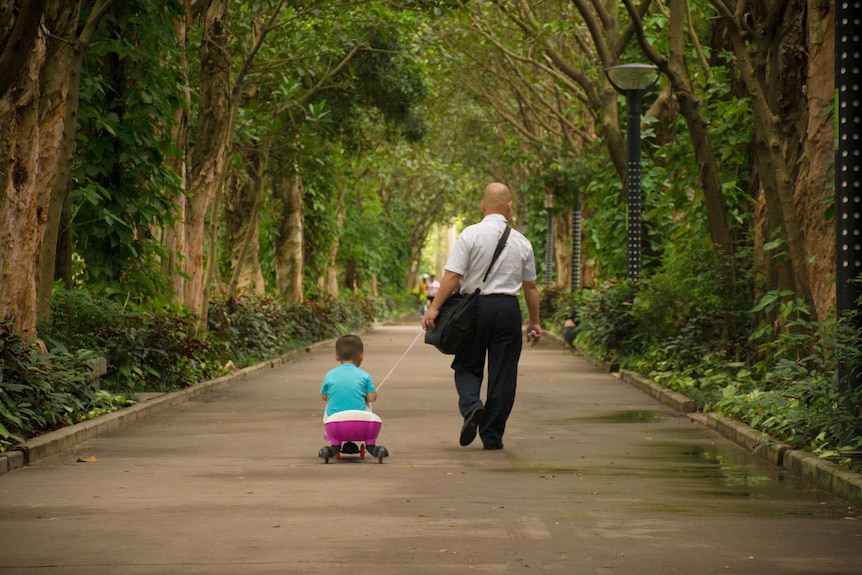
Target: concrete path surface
{"points": [[595, 478]]}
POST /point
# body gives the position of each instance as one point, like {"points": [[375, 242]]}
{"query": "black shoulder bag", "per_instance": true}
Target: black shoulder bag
{"points": [[455, 324]]}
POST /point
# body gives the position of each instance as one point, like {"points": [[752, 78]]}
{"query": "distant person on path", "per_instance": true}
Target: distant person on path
{"points": [[433, 286], [499, 321], [570, 327], [347, 386]]}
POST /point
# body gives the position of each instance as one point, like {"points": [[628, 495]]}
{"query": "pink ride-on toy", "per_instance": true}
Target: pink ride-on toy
{"points": [[347, 428]]}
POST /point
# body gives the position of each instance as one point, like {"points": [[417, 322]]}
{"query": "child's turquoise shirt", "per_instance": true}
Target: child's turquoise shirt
{"points": [[345, 387]]}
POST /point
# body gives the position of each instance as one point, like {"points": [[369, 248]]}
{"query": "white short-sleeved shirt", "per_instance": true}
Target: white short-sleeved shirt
{"points": [[473, 252]]}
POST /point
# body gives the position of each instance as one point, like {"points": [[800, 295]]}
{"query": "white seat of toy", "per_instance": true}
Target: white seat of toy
{"points": [[352, 415]]}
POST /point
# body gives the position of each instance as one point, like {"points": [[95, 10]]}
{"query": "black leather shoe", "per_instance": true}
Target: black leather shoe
{"points": [[490, 446], [471, 426]]}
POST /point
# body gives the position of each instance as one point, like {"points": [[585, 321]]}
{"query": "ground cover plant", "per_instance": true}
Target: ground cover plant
{"points": [[38, 389]]}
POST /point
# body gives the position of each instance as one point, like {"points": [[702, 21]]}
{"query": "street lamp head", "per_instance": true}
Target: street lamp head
{"points": [[629, 77]]}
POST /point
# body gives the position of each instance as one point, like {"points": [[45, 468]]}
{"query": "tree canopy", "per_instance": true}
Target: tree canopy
{"points": [[160, 149]]}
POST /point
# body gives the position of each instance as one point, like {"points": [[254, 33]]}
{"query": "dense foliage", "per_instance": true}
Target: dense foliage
{"points": [[40, 391]]}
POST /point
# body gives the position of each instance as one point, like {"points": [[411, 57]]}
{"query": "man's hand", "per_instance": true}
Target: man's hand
{"points": [[428, 320], [534, 333]]}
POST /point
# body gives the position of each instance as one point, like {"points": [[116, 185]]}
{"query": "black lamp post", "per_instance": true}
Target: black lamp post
{"points": [[633, 81], [848, 174]]}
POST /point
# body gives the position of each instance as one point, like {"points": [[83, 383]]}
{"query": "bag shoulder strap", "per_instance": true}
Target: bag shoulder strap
{"points": [[500, 245]]}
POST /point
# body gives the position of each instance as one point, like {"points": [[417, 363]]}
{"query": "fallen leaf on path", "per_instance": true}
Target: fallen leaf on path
{"points": [[90, 459]]}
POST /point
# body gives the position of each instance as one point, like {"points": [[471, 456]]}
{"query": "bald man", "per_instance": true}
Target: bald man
{"points": [[498, 322]]}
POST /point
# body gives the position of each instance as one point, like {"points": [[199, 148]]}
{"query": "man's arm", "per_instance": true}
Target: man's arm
{"points": [[531, 297]]}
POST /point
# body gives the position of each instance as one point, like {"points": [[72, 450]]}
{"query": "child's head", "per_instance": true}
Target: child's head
{"points": [[349, 348]]}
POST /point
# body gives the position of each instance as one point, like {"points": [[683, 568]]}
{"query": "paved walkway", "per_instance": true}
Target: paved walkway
{"points": [[596, 478]]}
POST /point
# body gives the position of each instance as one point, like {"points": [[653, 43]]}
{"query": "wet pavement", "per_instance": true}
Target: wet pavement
{"points": [[595, 478]]}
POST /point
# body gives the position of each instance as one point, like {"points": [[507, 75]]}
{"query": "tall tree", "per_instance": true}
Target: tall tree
{"points": [[21, 206], [211, 137], [35, 112], [62, 74], [768, 41]]}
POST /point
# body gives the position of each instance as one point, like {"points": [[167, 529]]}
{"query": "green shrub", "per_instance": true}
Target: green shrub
{"points": [[146, 349], [256, 327], [39, 391], [158, 350], [326, 319], [250, 327], [555, 305], [777, 376], [805, 409], [80, 320], [786, 389], [607, 326]]}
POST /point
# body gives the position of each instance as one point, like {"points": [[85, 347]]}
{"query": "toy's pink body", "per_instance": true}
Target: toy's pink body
{"points": [[352, 425]]}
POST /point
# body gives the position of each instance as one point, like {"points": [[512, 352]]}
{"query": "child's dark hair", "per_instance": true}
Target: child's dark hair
{"points": [[348, 347]]}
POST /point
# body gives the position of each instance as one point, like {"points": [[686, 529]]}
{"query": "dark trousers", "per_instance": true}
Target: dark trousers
{"points": [[498, 336]]}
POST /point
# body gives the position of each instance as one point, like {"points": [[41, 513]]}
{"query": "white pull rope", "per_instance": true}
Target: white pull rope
{"points": [[400, 359]]}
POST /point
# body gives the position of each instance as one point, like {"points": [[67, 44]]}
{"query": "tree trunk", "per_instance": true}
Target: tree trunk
{"points": [[288, 247], [63, 268], [243, 198], [769, 46], [211, 136], [60, 91], [814, 181], [23, 209], [18, 38], [172, 237], [331, 287]]}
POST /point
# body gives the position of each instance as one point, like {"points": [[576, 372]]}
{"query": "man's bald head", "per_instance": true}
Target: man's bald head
{"points": [[497, 200]]}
